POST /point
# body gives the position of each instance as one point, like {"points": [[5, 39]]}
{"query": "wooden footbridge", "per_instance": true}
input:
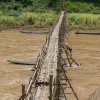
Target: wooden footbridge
{"points": [[49, 80]]}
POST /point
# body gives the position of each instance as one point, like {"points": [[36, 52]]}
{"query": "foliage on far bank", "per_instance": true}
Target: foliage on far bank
{"points": [[43, 13], [81, 7], [83, 21], [33, 19], [45, 5]]}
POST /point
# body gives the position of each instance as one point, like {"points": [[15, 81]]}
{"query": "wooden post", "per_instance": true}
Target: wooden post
{"points": [[23, 92], [50, 87]]}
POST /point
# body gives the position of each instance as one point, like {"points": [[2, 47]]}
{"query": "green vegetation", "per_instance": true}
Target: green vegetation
{"points": [[26, 12], [81, 7], [77, 6], [42, 13], [75, 20], [34, 19], [84, 21]]}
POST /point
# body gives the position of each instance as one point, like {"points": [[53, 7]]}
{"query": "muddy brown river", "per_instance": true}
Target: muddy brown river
{"points": [[25, 47], [86, 50], [18, 47]]}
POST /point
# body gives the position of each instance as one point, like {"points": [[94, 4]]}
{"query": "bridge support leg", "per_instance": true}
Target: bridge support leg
{"points": [[23, 92], [50, 87]]}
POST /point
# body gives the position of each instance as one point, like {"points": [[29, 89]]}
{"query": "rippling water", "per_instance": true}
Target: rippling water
{"points": [[21, 47], [86, 50], [17, 46]]}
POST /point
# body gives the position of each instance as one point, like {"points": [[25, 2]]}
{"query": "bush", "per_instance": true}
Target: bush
{"points": [[78, 7], [14, 6], [8, 22], [38, 19], [10, 6], [85, 21], [34, 19]]}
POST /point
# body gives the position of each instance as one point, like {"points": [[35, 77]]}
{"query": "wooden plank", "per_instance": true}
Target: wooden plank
{"points": [[33, 32], [88, 32]]}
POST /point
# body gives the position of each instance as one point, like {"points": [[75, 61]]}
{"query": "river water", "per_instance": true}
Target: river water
{"points": [[25, 47], [18, 47], [86, 51]]}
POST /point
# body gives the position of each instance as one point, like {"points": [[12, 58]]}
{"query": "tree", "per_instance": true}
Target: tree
{"points": [[52, 3]]}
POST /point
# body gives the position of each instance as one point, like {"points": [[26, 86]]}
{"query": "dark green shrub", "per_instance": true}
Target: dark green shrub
{"points": [[14, 6], [78, 7]]}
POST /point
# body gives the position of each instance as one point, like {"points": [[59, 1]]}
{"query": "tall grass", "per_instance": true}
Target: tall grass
{"points": [[39, 20], [85, 21], [34, 19]]}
